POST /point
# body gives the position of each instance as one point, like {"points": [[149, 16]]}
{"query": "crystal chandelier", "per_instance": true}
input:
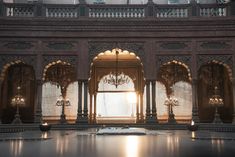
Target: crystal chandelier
{"points": [[117, 78], [19, 101]]}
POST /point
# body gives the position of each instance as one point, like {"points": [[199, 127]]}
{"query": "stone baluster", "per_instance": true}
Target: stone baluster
{"points": [[85, 99]]}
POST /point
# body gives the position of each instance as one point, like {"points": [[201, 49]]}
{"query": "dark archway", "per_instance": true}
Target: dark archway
{"points": [[18, 74], [211, 75]]}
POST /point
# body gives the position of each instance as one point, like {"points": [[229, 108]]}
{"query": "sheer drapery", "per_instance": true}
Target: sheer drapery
{"points": [[183, 92], [50, 94], [116, 103]]}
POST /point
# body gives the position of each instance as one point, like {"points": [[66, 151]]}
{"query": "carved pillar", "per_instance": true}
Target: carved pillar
{"points": [[137, 108], [154, 110], [79, 111], [38, 102], [147, 101], [233, 82], [195, 116], [85, 99], [0, 101], [90, 109], [141, 108], [94, 115]]}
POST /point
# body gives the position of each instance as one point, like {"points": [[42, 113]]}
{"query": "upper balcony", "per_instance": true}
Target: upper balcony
{"points": [[117, 11]]}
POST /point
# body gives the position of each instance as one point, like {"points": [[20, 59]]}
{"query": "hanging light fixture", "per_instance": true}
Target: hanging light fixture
{"points": [[117, 78]]}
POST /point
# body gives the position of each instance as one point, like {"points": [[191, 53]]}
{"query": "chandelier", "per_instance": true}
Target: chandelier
{"points": [[117, 78], [17, 101], [216, 100]]}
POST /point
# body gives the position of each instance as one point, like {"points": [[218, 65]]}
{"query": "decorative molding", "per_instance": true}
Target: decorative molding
{"points": [[204, 59], [60, 45], [73, 60], [96, 47], [186, 59], [215, 45], [27, 59], [173, 45], [18, 45]]}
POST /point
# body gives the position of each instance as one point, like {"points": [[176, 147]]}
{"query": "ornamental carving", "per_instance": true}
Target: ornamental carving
{"points": [[18, 45], [186, 59], [173, 45], [60, 45], [204, 59], [68, 59], [215, 45], [97, 47], [27, 59]]}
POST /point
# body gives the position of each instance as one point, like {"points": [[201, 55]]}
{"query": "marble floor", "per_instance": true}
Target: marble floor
{"points": [[86, 143]]}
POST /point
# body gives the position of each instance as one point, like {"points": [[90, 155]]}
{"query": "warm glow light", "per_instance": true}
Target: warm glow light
{"points": [[132, 146], [131, 97], [192, 122], [45, 124]]}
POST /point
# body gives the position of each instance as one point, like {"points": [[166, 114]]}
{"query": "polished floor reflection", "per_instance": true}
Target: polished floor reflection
{"points": [[88, 144]]}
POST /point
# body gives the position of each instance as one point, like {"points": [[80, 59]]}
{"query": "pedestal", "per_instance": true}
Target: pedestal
{"points": [[171, 118], [17, 119]]}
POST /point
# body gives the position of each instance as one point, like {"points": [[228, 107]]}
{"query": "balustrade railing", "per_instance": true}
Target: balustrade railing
{"points": [[170, 11], [60, 11], [121, 11], [22, 10], [213, 10], [115, 11]]}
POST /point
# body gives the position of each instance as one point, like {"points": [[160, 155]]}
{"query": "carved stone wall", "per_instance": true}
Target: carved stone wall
{"points": [[96, 47]]}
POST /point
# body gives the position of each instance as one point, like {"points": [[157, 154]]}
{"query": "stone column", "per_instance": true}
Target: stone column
{"points": [[137, 108], [141, 108], [147, 101], [233, 82], [85, 99], [38, 102], [195, 116], [79, 111], [90, 109], [94, 115], [154, 110], [1, 101]]}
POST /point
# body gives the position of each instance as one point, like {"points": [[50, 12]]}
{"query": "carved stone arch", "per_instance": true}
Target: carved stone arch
{"points": [[226, 60], [211, 74], [172, 72], [47, 59], [18, 74], [185, 59], [6, 60], [96, 47]]}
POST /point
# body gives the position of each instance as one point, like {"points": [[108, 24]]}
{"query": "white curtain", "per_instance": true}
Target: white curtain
{"points": [[50, 94], [183, 92], [116, 103]]}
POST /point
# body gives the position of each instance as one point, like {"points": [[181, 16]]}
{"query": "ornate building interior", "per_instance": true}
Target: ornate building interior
{"points": [[125, 62]]}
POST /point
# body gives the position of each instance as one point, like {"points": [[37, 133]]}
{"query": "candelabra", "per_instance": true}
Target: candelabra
{"points": [[17, 101], [62, 102], [216, 101], [171, 102]]}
